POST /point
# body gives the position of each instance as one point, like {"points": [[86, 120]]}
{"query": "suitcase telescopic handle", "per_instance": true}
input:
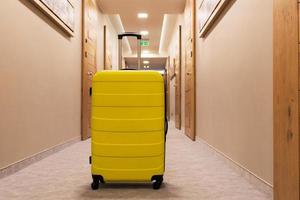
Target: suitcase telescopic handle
{"points": [[130, 34], [139, 50]]}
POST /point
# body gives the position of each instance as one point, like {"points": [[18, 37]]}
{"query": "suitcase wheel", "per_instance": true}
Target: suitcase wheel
{"points": [[96, 181], [95, 185], [157, 181]]}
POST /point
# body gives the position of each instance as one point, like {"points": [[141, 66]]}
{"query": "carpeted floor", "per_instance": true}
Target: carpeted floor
{"points": [[192, 172]]}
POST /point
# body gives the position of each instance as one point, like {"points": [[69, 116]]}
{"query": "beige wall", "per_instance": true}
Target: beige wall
{"points": [[234, 86], [40, 78]]}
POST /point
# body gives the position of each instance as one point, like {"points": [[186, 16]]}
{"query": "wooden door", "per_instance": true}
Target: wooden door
{"points": [[89, 48], [190, 106], [286, 100], [178, 83]]}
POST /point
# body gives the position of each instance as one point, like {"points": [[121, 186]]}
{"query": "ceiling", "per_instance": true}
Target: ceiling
{"points": [[156, 9]]}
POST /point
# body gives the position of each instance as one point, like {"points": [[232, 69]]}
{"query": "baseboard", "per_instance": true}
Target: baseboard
{"points": [[17, 166], [259, 183]]}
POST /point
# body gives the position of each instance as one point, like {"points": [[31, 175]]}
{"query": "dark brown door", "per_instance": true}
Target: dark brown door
{"points": [[89, 62]]}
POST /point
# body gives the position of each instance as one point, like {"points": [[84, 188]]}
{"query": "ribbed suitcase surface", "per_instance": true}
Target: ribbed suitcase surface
{"points": [[128, 141]]}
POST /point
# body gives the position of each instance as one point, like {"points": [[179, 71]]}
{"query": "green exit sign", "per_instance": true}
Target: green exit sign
{"points": [[145, 43]]}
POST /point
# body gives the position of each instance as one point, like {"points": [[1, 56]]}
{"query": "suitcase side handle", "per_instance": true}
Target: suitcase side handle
{"points": [[139, 50]]}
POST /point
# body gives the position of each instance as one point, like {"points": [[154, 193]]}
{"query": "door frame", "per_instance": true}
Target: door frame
{"points": [[286, 100], [178, 84], [168, 88]]}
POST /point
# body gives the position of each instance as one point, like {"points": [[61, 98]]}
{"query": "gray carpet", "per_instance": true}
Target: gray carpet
{"points": [[192, 172]]}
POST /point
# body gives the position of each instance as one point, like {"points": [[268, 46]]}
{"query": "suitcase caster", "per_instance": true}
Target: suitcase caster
{"points": [[95, 185], [96, 182], [157, 181]]}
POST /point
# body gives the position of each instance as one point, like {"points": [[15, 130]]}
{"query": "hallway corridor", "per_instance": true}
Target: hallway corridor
{"points": [[192, 172]]}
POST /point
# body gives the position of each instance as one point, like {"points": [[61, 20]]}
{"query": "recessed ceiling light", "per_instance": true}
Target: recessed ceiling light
{"points": [[146, 62], [144, 33], [143, 15]]}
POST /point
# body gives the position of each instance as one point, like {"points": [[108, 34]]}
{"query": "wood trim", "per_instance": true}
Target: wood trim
{"points": [[83, 16], [213, 17], [194, 72], [42, 7], [286, 100], [168, 89]]}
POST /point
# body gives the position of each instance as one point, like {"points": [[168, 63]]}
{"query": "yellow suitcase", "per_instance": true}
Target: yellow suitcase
{"points": [[128, 127]]}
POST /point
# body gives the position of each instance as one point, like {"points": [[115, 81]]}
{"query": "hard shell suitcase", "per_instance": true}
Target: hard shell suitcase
{"points": [[128, 127]]}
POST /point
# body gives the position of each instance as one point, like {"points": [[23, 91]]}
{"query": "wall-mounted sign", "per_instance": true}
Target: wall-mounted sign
{"points": [[209, 10], [61, 11], [145, 43]]}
